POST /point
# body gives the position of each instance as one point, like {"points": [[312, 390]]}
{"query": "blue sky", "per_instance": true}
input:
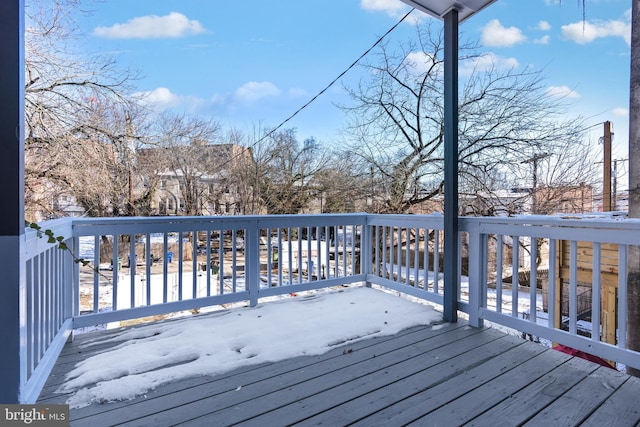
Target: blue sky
{"points": [[254, 62]]}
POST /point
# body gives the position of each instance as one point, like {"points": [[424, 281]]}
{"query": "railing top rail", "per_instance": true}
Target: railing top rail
{"points": [[434, 220], [84, 226], [34, 243], [597, 221], [60, 226]]}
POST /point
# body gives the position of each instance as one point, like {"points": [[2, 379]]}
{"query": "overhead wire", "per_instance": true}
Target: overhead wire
{"points": [[327, 87], [335, 80], [321, 92]]}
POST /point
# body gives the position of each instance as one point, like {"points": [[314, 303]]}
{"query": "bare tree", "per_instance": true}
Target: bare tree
{"points": [[337, 187], [243, 173], [558, 181], [284, 169], [397, 120], [64, 86], [184, 151], [563, 180]]}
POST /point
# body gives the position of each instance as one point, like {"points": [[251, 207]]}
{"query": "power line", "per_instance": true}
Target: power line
{"points": [[592, 126], [327, 87], [334, 81]]}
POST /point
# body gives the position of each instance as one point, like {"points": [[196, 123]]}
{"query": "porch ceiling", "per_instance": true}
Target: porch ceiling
{"points": [[439, 8]]}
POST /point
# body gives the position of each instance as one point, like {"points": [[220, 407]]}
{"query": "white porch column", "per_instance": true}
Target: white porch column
{"points": [[12, 269]]}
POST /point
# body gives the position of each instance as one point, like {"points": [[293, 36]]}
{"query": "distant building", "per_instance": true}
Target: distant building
{"points": [[564, 199], [201, 179], [515, 201]]}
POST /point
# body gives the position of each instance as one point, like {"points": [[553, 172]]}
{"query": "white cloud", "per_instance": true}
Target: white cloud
{"points": [[391, 7], [296, 92], [543, 40], [250, 93], [172, 25], [162, 99], [495, 35], [583, 33], [562, 92], [620, 112], [218, 99], [419, 62], [543, 26], [485, 62], [254, 91]]}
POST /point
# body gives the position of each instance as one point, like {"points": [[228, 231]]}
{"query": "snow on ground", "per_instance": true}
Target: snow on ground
{"points": [[87, 243], [149, 356]]}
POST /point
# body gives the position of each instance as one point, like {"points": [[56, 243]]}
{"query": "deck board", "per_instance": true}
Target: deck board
{"points": [[322, 394], [267, 390], [519, 407], [431, 397], [409, 383], [581, 400], [450, 374], [620, 409], [496, 392]]}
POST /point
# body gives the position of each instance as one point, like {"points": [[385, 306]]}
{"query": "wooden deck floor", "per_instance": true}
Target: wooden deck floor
{"points": [[447, 375]]}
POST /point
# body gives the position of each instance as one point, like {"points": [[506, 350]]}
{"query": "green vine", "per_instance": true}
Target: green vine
{"points": [[59, 241]]}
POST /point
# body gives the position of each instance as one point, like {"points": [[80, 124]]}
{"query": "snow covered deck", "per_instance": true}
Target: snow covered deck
{"points": [[188, 264], [449, 374]]}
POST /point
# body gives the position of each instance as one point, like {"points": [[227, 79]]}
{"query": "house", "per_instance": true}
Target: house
{"points": [[197, 179]]}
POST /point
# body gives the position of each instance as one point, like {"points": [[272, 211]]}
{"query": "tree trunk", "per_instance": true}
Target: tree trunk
{"points": [[633, 264]]}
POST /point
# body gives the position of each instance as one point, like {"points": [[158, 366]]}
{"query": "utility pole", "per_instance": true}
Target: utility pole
{"points": [[614, 195], [535, 159], [606, 183]]}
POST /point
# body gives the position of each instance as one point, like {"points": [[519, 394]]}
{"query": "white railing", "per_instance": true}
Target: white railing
{"points": [[577, 256], [47, 307], [186, 263], [405, 254], [579, 253], [143, 267]]}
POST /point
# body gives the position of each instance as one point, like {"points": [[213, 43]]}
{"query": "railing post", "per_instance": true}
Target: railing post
{"points": [[68, 281], [366, 245], [252, 262], [477, 255], [12, 234]]}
